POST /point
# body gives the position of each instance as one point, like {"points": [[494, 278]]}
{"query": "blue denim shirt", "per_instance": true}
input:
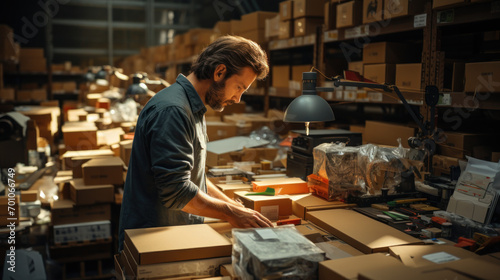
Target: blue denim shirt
{"points": [[167, 163]]}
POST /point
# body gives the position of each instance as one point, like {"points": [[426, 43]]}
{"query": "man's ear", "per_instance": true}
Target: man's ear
{"points": [[220, 72]]}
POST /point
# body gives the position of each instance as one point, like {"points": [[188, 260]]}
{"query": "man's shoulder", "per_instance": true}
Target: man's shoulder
{"points": [[174, 95]]}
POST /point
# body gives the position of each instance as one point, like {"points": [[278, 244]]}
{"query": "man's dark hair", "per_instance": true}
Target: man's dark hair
{"points": [[235, 53]]}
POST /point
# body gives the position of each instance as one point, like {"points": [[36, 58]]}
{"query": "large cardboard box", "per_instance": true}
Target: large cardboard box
{"points": [[286, 10], [126, 150], [425, 255], [87, 195], [9, 50], [103, 171], [280, 76], [272, 207], [221, 130], [178, 243], [349, 268], [80, 136], [349, 14], [282, 186], [308, 8], [399, 8], [306, 26], [482, 77], [64, 211], [409, 76], [360, 231], [303, 204], [380, 73], [386, 52], [387, 133], [7, 94], [356, 66], [32, 95], [82, 232], [409, 273], [372, 10], [337, 249], [190, 269], [475, 268], [255, 21], [256, 35]]}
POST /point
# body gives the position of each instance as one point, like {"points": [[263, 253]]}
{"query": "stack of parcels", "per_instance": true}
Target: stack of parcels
{"points": [[274, 253], [189, 251], [340, 171]]}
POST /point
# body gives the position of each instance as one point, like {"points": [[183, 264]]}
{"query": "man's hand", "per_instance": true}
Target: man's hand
{"points": [[242, 217]]}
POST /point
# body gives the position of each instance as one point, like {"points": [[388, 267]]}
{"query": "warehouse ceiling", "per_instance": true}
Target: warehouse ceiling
{"points": [[96, 32]]}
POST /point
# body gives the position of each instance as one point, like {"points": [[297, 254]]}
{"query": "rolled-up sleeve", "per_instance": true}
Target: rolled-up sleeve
{"points": [[171, 135]]}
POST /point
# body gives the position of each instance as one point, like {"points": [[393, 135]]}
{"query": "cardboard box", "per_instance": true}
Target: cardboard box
{"points": [[360, 231], [425, 255], [179, 243], [29, 196], [303, 204], [312, 233], [409, 76], [386, 52], [330, 15], [380, 73], [80, 137], [255, 21], [297, 71], [65, 211], [372, 10], [126, 151], [229, 189], [103, 171], [35, 65], [87, 195], [349, 268], [308, 8], [286, 10], [272, 207], [220, 130], [67, 156], [32, 95], [402, 272], [349, 14], [482, 77], [280, 76], [205, 267], [285, 30], [446, 3], [387, 134], [400, 8], [306, 26]]}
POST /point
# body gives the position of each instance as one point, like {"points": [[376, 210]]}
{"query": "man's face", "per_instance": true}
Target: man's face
{"points": [[226, 92]]}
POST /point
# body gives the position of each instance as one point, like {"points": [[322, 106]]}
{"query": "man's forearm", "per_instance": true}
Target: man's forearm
{"points": [[213, 191]]}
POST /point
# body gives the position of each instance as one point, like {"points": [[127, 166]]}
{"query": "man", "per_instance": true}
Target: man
{"points": [[166, 183]]}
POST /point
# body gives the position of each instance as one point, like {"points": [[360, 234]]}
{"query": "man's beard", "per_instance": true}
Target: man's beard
{"points": [[215, 96]]}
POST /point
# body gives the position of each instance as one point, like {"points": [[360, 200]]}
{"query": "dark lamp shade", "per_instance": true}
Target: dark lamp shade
{"points": [[101, 75], [309, 108], [134, 89]]}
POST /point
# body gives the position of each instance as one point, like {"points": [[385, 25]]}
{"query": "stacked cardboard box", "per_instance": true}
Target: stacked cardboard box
{"points": [[47, 121], [253, 26], [181, 252], [9, 50], [32, 60], [349, 14]]}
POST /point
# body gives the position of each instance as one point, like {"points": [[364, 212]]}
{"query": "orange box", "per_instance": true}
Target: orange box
{"points": [[282, 185]]}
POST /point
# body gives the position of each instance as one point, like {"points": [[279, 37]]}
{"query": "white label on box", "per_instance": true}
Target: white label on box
{"points": [[272, 91], [445, 99], [420, 21], [339, 94], [271, 212], [375, 96], [329, 95], [266, 233], [473, 184], [440, 257]]}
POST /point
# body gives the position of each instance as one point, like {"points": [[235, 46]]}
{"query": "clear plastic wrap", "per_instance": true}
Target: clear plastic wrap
{"points": [[358, 171], [274, 253]]}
